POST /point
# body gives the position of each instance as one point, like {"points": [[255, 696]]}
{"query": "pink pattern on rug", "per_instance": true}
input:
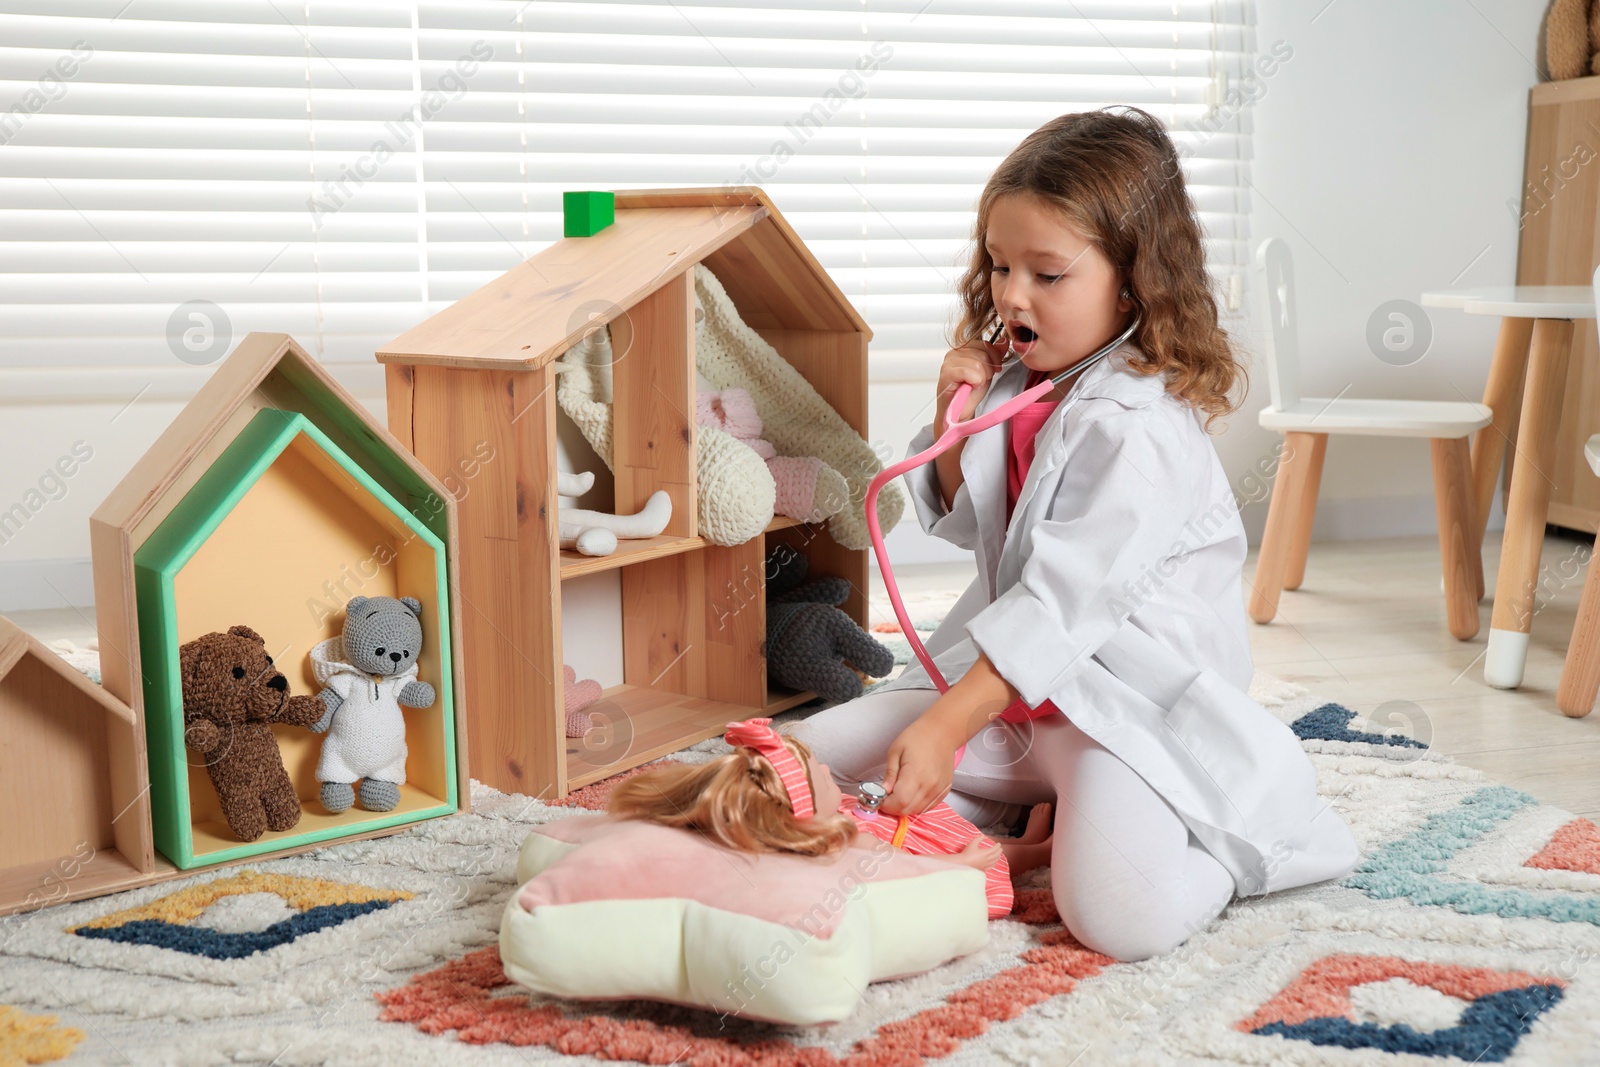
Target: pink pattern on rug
{"points": [[473, 997], [1574, 847], [595, 795], [1322, 990]]}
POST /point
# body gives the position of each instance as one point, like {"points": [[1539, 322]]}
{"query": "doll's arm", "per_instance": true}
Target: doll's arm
{"points": [[980, 852]]}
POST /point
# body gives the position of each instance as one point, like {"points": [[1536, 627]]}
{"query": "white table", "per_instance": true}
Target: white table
{"points": [[1525, 387]]}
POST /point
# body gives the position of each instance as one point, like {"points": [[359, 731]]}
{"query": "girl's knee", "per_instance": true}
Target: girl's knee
{"points": [[1133, 926], [1123, 932]]}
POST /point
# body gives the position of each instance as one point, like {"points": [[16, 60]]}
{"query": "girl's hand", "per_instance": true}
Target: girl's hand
{"points": [[922, 763], [979, 855], [972, 364]]}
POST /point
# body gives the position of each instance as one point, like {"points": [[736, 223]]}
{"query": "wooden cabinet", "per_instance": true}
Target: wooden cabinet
{"points": [[1557, 246]]}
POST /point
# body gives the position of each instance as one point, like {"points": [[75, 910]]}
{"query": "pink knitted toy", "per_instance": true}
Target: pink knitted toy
{"points": [[579, 695], [808, 489]]}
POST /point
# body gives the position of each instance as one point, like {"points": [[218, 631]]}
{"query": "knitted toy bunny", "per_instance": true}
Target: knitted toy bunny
{"points": [[367, 673], [808, 489], [811, 644]]}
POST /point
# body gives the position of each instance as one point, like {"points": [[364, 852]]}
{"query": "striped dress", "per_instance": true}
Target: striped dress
{"points": [[939, 831]]}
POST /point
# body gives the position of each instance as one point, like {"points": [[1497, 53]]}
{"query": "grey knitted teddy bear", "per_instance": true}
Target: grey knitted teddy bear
{"points": [[366, 674], [811, 644]]}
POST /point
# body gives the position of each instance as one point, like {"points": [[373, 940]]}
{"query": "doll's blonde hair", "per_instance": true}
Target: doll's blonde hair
{"points": [[1115, 175], [737, 800]]}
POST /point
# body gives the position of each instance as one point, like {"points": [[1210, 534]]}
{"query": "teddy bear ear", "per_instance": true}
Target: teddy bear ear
{"points": [[354, 604], [414, 604], [245, 631]]}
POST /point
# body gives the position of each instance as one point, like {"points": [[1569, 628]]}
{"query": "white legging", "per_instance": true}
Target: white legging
{"points": [[1129, 878]]}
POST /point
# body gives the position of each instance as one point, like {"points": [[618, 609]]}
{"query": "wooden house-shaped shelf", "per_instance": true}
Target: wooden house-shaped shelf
{"points": [[280, 512], [272, 499], [478, 376], [76, 816]]}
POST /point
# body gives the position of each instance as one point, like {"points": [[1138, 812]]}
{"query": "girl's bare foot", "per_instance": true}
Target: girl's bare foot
{"points": [[1032, 849], [1038, 828]]}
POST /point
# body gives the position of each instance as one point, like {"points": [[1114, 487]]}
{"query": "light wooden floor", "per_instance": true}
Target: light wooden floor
{"points": [[1367, 629]]}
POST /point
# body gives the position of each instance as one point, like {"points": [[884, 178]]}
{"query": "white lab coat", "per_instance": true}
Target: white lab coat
{"points": [[1115, 594]]}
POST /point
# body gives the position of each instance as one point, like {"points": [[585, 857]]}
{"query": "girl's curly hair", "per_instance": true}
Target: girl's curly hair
{"points": [[1114, 174], [737, 800]]}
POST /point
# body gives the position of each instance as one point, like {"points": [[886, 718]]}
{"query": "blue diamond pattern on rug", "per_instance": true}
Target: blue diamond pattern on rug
{"points": [[1331, 722], [1500, 1007], [170, 922]]}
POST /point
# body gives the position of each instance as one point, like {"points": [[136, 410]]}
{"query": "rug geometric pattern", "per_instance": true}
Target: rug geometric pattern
{"points": [[1471, 931]]}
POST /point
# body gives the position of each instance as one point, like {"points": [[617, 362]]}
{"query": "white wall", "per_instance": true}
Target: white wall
{"points": [[1386, 150]]}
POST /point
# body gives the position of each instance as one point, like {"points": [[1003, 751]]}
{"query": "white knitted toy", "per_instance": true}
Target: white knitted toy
{"points": [[808, 489], [736, 492], [595, 533], [794, 417], [367, 672]]}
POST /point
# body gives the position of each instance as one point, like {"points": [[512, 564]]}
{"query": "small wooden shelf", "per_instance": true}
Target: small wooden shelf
{"points": [[632, 550], [783, 699], [637, 550], [214, 842], [639, 724], [656, 722], [57, 881]]}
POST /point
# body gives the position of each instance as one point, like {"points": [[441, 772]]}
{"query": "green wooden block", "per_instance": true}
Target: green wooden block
{"points": [[585, 214], [156, 565]]}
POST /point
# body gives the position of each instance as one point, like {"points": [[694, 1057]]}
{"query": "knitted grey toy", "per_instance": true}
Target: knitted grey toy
{"points": [[811, 644], [366, 674]]}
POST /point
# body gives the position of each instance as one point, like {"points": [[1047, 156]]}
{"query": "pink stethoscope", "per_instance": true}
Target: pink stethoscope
{"points": [[955, 430]]}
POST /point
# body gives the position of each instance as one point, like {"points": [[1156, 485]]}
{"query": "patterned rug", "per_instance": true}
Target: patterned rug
{"points": [[1470, 933]]}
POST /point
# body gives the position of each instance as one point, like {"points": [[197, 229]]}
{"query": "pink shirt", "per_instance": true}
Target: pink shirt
{"points": [[939, 831], [1025, 426]]}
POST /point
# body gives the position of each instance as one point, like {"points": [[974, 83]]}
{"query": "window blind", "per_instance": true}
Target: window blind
{"points": [[176, 173]]}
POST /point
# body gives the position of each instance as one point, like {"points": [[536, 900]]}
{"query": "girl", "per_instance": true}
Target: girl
{"points": [[1106, 624], [771, 795]]}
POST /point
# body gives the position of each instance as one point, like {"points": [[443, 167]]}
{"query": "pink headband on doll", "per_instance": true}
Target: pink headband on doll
{"points": [[759, 735]]}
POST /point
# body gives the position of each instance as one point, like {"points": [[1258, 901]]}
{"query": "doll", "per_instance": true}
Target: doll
{"points": [[772, 795]]}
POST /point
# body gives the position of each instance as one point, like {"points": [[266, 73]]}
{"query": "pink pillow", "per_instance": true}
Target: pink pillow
{"points": [[626, 908]]}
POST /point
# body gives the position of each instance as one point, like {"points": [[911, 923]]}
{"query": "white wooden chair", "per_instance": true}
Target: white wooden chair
{"points": [[1306, 423]]}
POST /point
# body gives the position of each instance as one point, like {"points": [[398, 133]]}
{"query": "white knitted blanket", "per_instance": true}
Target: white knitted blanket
{"points": [[794, 417], [736, 491]]}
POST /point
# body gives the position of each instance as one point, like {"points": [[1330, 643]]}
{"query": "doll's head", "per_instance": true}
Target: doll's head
{"points": [[768, 795], [1086, 222]]}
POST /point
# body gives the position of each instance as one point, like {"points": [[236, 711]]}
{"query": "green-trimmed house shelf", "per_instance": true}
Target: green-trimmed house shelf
{"points": [[280, 507], [329, 505]]}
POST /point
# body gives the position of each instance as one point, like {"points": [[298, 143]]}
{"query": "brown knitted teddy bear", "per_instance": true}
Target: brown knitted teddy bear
{"points": [[231, 692], [1572, 39]]}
